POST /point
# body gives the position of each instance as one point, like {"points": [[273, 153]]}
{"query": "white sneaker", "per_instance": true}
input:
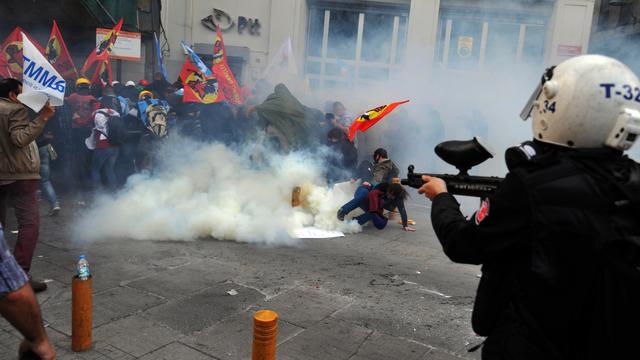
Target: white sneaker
{"points": [[55, 211]]}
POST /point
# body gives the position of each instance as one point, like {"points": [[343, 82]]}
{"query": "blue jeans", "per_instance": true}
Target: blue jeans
{"points": [[378, 221], [358, 200], [126, 163], [104, 159], [45, 177]]}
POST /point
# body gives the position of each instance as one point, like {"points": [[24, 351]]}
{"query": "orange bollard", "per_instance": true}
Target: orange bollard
{"points": [[81, 314], [265, 333]]}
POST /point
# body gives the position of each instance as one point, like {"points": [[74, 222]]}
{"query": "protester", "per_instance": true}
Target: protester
{"points": [[327, 123], [342, 119], [130, 92], [105, 150], [153, 115], [47, 155], [384, 170], [81, 106], [342, 161], [373, 200], [142, 85], [19, 170], [127, 163], [123, 107], [218, 123], [19, 306], [160, 86]]}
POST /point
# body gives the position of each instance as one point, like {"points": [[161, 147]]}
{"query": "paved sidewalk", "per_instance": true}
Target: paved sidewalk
{"points": [[375, 295]]}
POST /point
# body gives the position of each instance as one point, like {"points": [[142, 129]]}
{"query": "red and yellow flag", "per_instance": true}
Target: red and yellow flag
{"points": [[371, 117], [102, 51], [4, 68], [229, 87], [198, 87], [102, 76], [58, 55], [11, 52]]}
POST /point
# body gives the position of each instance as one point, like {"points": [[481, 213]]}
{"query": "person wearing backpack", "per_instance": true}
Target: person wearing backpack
{"points": [[153, 114], [559, 240], [104, 140]]}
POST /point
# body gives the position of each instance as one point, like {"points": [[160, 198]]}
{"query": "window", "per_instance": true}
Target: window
{"points": [[471, 42], [349, 46]]}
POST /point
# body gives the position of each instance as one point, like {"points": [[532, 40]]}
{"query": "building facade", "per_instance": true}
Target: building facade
{"points": [[357, 42], [78, 20], [616, 31]]}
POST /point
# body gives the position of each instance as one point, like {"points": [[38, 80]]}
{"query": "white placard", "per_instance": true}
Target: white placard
{"points": [[127, 46], [40, 81]]}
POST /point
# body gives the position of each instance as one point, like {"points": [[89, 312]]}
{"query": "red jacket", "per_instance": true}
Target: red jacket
{"points": [[375, 202]]}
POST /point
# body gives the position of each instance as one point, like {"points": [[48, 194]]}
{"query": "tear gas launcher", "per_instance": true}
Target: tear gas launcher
{"points": [[463, 155]]}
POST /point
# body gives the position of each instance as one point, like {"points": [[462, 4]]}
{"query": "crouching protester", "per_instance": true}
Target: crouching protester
{"points": [[373, 200], [559, 240]]}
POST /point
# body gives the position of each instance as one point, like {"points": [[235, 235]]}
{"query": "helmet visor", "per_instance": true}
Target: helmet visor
{"points": [[528, 108]]}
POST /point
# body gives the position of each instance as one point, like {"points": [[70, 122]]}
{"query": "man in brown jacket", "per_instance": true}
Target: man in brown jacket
{"points": [[19, 170]]}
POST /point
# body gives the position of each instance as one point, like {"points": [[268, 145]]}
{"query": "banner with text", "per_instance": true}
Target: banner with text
{"points": [[40, 82]]}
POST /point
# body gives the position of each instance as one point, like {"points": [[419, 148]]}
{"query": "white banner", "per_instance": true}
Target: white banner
{"points": [[281, 64], [40, 81], [127, 46]]}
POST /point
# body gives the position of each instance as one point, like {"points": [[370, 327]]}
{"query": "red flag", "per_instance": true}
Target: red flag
{"points": [[228, 84], [11, 51], [4, 68], [219, 51], [197, 86], [102, 75], [58, 55], [371, 117], [102, 51]]}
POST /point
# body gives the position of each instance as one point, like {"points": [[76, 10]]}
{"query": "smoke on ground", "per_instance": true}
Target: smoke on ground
{"points": [[211, 191]]}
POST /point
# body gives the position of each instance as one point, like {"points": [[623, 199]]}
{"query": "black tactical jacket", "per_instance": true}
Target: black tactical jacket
{"points": [[540, 239]]}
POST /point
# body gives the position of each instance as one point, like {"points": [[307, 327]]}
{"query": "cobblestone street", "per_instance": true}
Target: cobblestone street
{"points": [[374, 295]]}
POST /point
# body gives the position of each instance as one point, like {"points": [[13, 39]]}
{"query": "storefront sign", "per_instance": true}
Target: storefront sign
{"points": [[569, 50], [226, 23], [127, 46], [465, 46]]}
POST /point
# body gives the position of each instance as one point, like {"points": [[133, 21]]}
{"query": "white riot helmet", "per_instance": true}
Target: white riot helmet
{"points": [[588, 101]]}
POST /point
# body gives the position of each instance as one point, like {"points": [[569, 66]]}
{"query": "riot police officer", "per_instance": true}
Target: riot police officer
{"points": [[559, 240]]}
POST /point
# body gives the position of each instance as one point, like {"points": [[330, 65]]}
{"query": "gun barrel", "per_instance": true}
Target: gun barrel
{"points": [[466, 185]]}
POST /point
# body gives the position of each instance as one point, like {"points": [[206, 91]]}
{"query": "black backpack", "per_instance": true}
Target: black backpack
{"points": [[116, 128]]}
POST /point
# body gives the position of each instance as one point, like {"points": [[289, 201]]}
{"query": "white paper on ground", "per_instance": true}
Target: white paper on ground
{"points": [[40, 81], [316, 233]]}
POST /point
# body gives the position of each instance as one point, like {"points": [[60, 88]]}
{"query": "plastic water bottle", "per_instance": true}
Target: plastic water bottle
{"points": [[83, 268]]}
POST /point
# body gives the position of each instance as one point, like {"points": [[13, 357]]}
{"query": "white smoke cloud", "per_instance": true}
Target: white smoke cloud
{"points": [[209, 190]]}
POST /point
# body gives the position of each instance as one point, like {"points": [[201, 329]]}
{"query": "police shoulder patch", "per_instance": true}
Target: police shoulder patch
{"points": [[483, 212]]}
